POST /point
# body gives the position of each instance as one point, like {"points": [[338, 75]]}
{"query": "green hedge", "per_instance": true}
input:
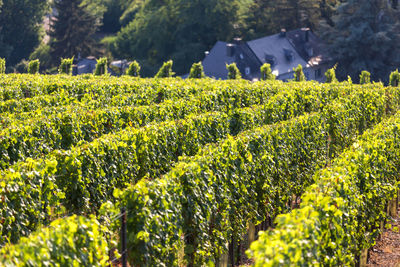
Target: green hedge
{"points": [[341, 213], [206, 200], [85, 176], [64, 127], [145, 91], [74, 241]]}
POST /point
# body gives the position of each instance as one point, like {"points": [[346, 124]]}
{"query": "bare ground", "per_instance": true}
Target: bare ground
{"points": [[387, 250]]}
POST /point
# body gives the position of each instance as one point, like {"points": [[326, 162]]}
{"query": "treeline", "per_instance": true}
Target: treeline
{"points": [[361, 35]]}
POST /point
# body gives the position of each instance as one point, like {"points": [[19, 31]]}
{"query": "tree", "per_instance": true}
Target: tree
{"points": [[328, 8], [72, 30], [109, 11], [21, 28], [268, 16], [365, 36], [130, 9], [293, 14], [260, 20], [181, 30]]}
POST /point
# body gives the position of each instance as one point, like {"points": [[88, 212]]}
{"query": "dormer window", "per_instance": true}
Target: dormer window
{"points": [[270, 60], [289, 55]]}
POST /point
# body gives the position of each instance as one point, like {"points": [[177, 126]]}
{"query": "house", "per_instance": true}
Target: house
{"points": [[85, 65], [88, 65], [121, 65], [284, 51]]}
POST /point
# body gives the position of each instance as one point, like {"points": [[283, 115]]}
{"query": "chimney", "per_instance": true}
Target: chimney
{"points": [[230, 50], [395, 4], [283, 33], [306, 32], [237, 41]]}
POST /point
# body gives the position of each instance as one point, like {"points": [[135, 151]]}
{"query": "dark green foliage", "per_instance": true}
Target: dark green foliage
{"points": [[299, 74], [364, 35], [233, 71], [21, 28], [42, 52], [165, 70], [2, 65], [328, 9], [134, 69], [111, 18], [266, 72], [101, 66], [180, 30], [22, 66], [293, 14], [330, 75], [72, 30], [196, 71], [365, 77], [131, 8], [33, 66], [66, 66], [267, 17], [394, 79]]}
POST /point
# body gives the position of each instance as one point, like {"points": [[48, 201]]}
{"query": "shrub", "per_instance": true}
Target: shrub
{"points": [[2, 65], [298, 74], [22, 66], [101, 66], [365, 77], [266, 72], [197, 71], [33, 66], [331, 75], [42, 53], [66, 66], [165, 70], [134, 69], [233, 71], [394, 79], [73, 241]]}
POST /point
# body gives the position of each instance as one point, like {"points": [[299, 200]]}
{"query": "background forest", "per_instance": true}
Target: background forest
{"points": [[360, 34]]}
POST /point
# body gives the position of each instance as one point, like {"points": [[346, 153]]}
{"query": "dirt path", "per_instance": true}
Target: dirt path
{"points": [[387, 250]]}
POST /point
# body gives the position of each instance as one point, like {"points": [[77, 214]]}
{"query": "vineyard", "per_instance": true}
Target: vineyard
{"points": [[192, 166]]}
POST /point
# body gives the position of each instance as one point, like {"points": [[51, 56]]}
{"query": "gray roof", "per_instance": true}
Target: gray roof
{"points": [[275, 45], [215, 63], [86, 65], [320, 55]]}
